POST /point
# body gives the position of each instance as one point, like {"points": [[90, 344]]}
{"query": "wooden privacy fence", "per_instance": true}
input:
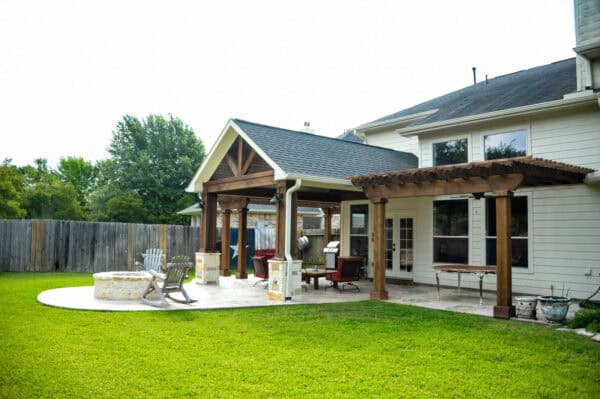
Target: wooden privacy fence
{"points": [[69, 246]]}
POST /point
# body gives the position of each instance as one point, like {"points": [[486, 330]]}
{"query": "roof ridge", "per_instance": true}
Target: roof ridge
{"points": [[531, 69], [320, 136]]}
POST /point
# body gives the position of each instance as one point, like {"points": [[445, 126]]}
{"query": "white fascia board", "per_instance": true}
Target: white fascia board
{"points": [[324, 182], [406, 119], [218, 152], [549, 106]]}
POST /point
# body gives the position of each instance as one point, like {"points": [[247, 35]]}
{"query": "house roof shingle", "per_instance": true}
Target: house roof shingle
{"points": [[302, 153], [532, 86]]}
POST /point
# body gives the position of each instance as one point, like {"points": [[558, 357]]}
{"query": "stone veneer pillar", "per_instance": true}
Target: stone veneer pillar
{"points": [[207, 267], [278, 278]]}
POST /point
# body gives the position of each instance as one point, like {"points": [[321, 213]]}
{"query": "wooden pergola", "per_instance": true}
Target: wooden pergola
{"points": [[499, 178], [241, 178]]}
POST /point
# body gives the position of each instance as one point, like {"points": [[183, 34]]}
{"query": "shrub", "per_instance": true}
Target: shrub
{"points": [[588, 318]]}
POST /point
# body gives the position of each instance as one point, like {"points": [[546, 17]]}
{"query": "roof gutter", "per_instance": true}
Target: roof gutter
{"points": [[556, 105]]}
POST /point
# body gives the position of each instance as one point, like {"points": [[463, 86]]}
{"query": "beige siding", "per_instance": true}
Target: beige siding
{"points": [[391, 139]]}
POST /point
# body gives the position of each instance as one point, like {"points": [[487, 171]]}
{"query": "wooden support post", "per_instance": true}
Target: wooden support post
{"points": [[379, 291], [504, 308], [280, 220], [225, 248], [242, 242], [208, 237], [327, 226]]}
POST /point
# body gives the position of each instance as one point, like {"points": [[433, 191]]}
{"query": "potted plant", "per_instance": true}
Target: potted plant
{"points": [[555, 308], [526, 307]]}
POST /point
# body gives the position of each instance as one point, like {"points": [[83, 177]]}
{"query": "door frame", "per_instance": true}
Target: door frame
{"points": [[395, 272]]}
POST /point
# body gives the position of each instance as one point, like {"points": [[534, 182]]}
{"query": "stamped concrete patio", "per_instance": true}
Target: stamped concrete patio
{"points": [[234, 293]]}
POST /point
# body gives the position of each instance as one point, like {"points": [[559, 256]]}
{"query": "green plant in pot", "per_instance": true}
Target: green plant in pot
{"points": [[555, 307]]}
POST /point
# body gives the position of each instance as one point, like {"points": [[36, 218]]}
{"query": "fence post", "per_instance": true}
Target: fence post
{"points": [[131, 246], [162, 242], [37, 244]]}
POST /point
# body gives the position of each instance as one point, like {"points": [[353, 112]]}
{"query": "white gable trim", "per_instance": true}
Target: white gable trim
{"points": [[218, 151]]}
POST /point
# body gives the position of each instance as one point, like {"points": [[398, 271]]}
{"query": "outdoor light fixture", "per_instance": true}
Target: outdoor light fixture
{"points": [[201, 204], [277, 197]]}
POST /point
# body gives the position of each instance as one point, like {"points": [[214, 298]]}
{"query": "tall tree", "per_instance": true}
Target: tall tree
{"points": [[80, 173], [52, 200], [154, 157], [11, 185]]}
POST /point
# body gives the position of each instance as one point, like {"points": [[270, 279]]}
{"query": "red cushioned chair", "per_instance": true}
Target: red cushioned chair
{"points": [[261, 268], [348, 269]]}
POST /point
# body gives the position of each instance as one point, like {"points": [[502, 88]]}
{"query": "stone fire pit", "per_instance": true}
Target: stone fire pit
{"points": [[121, 285]]}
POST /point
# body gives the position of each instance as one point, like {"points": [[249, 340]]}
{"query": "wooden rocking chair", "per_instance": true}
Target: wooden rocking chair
{"points": [[153, 259], [164, 284]]}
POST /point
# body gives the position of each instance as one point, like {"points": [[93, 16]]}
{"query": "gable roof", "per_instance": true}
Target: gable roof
{"points": [[299, 153], [532, 86]]}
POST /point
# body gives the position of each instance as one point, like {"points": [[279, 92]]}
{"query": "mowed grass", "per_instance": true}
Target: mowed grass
{"points": [[355, 350]]}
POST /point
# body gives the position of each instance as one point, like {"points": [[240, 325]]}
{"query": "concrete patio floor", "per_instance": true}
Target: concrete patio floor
{"points": [[233, 293]]}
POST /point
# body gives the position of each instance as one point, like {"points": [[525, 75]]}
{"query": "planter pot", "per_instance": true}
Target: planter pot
{"points": [[526, 307], [554, 308]]}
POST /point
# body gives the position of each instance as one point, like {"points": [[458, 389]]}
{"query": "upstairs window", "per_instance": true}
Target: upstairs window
{"points": [[505, 145], [450, 152], [451, 231]]}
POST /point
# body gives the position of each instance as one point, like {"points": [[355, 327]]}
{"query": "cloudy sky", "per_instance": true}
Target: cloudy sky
{"points": [[70, 69]]}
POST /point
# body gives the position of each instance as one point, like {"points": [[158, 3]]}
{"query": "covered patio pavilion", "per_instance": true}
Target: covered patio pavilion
{"points": [[254, 163], [496, 178]]}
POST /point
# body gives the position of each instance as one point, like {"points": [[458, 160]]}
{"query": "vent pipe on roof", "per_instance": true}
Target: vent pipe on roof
{"points": [[307, 128], [474, 75]]}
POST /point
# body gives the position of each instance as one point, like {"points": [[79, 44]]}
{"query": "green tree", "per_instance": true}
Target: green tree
{"points": [[11, 185], [52, 199], [155, 157], [126, 207], [80, 173]]}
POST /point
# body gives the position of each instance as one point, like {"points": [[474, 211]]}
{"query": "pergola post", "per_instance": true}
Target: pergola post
{"points": [[327, 226], [242, 242], [379, 291], [225, 248], [208, 237], [504, 308], [280, 220]]}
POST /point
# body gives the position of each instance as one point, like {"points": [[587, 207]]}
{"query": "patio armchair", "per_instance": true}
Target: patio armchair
{"points": [[153, 259], [348, 270], [261, 268], [162, 285]]}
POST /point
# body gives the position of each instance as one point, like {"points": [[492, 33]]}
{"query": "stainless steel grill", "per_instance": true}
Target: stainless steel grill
{"points": [[331, 252]]}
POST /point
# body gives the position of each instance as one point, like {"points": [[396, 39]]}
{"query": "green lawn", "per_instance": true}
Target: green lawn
{"points": [[359, 350]]}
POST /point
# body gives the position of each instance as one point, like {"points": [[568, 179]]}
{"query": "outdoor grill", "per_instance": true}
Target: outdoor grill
{"points": [[331, 252]]}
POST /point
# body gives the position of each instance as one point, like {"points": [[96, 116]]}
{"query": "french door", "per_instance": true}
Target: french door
{"points": [[399, 246]]}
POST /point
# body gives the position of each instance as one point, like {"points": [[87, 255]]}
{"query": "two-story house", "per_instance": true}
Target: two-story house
{"points": [[435, 183]]}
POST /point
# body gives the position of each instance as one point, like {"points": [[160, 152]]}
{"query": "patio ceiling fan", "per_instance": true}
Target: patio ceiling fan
{"points": [[476, 196]]}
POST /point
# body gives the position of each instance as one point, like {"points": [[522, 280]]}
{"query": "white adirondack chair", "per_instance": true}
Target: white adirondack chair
{"points": [[162, 285], [153, 260]]}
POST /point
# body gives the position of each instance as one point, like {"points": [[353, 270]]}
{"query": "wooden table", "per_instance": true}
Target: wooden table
{"points": [[308, 273], [479, 271]]}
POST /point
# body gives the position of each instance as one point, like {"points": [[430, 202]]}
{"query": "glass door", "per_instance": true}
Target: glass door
{"points": [[399, 244]]}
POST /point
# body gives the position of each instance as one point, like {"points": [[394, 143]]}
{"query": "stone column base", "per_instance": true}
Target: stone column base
{"points": [[504, 312], [278, 279], [207, 267]]}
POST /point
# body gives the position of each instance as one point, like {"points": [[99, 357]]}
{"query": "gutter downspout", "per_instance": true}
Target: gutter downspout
{"points": [[288, 236]]}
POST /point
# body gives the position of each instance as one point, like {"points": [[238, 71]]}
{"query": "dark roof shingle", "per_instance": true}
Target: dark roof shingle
{"points": [[532, 86], [302, 153]]}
